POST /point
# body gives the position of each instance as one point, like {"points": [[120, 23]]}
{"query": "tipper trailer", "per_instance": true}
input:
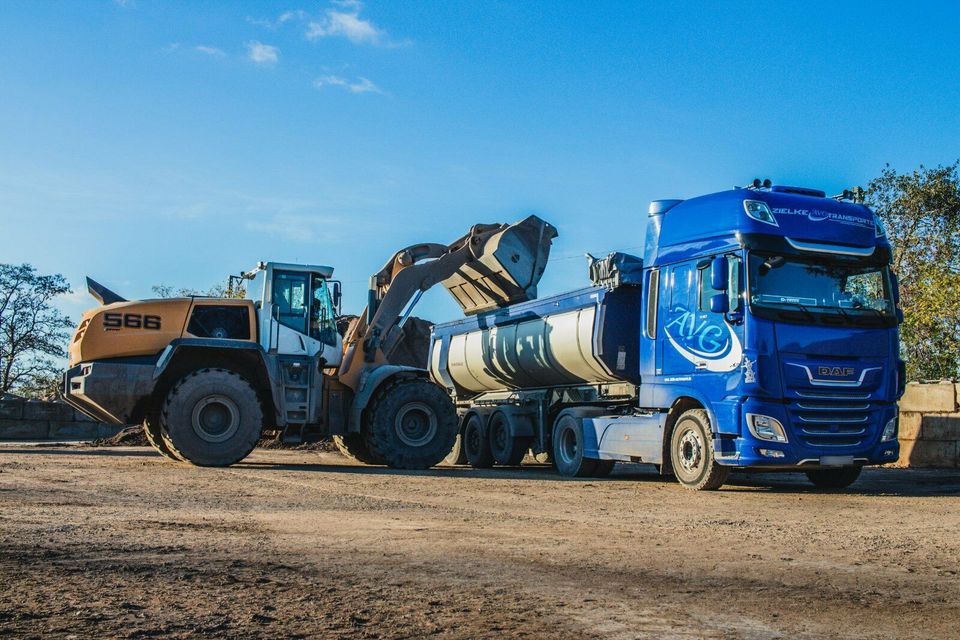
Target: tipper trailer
{"points": [[758, 331]]}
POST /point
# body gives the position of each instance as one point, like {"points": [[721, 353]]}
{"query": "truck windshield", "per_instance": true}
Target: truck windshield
{"points": [[847, 290]]}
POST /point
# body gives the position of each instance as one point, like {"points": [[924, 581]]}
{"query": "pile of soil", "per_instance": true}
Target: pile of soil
{"points": [[129, 437]]}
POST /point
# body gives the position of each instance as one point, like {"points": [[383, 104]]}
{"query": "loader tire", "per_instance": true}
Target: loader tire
{"points": [[691, 453], [154, 435], [354, 447], [211, 418], [410, 424]]}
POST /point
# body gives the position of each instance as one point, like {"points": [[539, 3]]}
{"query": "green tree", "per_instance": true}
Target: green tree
{"points": [[921, 212], [32, 331]]}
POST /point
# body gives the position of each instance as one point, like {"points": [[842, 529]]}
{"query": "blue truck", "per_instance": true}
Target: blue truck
{"points": [[759, 330]]}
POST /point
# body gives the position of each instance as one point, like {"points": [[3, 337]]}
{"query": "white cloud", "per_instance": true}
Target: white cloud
{"points": [[360, 85], [263, 54], [345, 21], [210, 51]]}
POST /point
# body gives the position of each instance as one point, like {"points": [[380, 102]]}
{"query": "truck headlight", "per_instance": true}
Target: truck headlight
{"points": [[766, 428], [758, 210], [889, 430]]}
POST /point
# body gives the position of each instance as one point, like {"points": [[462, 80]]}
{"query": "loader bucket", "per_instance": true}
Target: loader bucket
{"points": [[505, 268]]}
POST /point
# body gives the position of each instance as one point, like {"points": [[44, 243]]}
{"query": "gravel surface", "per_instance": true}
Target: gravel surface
{"points": [[117, 542]]}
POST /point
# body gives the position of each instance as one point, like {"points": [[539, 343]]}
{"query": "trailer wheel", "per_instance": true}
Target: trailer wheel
{"points": [[506, 449], [834, 478], [154, 435], [691, 453], [211, 418], [354, 447], [410, 424], [568, 448], [476, 445]]}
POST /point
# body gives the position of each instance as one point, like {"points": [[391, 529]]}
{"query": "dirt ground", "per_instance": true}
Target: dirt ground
{"points": [[120, 543]]}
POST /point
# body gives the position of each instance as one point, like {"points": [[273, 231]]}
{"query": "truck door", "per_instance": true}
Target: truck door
{"points": [[696, 340]]}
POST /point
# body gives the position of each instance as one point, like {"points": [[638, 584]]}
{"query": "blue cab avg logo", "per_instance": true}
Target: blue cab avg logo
{"points": [[706, 340]]}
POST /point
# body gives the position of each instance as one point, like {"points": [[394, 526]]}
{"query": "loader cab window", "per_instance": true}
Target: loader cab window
{"points": [[323, 324], [290, 299]]}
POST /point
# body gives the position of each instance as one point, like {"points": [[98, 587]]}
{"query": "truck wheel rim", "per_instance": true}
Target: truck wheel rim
{"points": [[568, 446], [416, 424], [690, 451], [216, 418]]}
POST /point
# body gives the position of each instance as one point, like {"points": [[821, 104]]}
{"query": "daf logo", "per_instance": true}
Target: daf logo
{"points": [[835, 372]]}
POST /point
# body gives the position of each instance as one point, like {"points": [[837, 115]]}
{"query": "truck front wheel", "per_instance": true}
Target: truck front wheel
{"points": [[211, 418], [354, 447], [691, 452], [410, 424], [154, 435]]}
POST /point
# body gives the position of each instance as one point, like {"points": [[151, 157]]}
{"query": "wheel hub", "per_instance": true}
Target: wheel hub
{"points": [[568, 445], [415, 424], [691, 451], [216, 418]]}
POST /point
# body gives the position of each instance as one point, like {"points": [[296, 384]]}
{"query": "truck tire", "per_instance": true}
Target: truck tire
{"points": [[476, 445], [505, 448], [568, 448], [211, 418], [154, 435], [457, 455], [834, 478], [354, 447], [691, 453], [410, 424]]}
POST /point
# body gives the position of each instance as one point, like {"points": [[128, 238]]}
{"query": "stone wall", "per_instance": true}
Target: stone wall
{"points": [[36, 420], [930, 426]]}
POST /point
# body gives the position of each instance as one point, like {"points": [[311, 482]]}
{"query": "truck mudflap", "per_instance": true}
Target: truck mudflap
{"points": [[107, 391]]}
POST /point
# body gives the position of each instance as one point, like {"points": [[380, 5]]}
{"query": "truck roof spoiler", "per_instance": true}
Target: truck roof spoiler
{"points": [[101, 293]]}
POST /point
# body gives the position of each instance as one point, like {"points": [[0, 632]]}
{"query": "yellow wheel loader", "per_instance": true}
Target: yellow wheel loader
{"points": [[206, 376]]}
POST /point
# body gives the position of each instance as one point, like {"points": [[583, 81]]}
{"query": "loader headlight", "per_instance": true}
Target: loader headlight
{"points": [[766, 428], [889, 430], [758, 210]]}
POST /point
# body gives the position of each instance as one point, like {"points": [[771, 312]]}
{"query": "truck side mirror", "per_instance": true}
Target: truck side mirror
{"points": [[718, 273], [719, 303]]}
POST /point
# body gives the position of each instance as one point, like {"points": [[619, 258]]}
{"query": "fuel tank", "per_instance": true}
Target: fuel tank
{"points": [[584, 336]]}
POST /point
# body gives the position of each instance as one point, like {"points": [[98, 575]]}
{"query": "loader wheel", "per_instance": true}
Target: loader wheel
{"points": [[568, 448], [410, 424], [154, 435], [691, 453], [476, 445], [353, 446], [506, 449], [211, 418]]}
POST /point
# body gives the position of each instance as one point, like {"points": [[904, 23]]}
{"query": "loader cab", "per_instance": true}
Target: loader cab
{"points": [[298, 308]]}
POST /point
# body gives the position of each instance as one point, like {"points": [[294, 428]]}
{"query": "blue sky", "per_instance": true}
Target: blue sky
{"points": [[147, 142]]}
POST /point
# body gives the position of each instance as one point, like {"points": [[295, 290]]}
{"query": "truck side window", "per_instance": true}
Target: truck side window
{"points": [[733, 263], [653, 300], [706, 290]]}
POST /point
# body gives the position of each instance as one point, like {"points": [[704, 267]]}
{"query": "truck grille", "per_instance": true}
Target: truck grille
{"points": [[831, 418]]}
